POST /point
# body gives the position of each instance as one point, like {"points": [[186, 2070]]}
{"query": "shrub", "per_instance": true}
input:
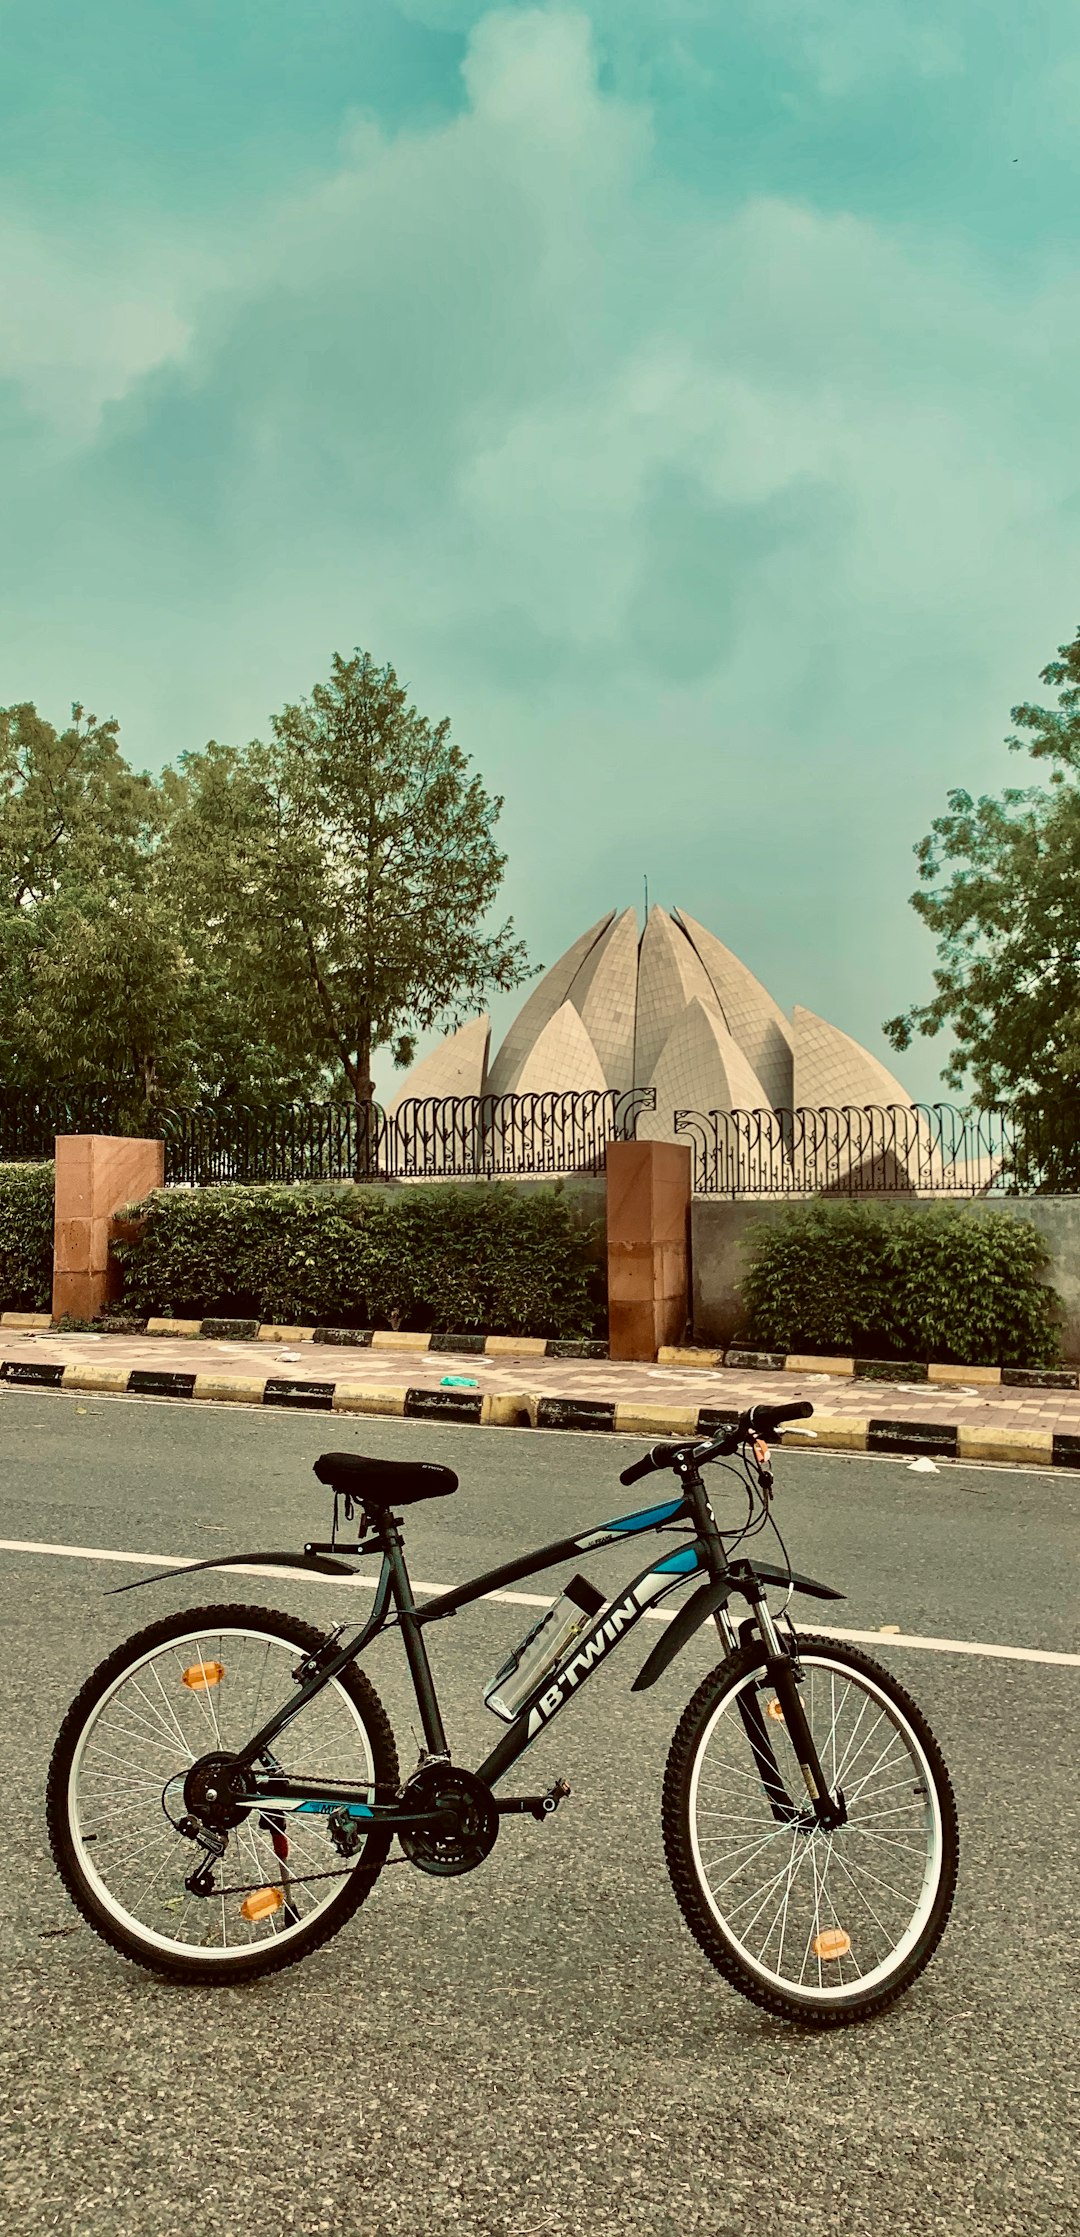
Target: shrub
{"points": [[473, 1258], [26, 1238], [934, 1284]]}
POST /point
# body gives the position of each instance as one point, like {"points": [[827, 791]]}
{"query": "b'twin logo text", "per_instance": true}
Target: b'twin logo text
{"points": [[584, 1659]]}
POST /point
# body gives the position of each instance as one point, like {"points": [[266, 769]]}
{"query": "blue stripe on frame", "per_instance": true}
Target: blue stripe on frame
{"points": [[679, 1564], [648, 1518]]}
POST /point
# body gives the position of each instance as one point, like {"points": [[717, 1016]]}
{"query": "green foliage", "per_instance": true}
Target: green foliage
{"points": [[461, 1259], [345, 870], [1001, 893], [251, 926], [26, 1238], [934, 1284]]}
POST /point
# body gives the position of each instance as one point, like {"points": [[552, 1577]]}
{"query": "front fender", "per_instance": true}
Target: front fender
{"points": [[704, 1603]]}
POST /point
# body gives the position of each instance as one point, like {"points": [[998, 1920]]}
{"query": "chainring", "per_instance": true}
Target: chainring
{"points": [[461, 1845]]}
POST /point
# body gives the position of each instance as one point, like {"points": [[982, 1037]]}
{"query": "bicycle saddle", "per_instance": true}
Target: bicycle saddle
{"points": [[384, 1483]]}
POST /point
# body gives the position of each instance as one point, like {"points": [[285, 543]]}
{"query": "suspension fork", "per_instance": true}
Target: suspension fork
{"points": [[785, 1678]]}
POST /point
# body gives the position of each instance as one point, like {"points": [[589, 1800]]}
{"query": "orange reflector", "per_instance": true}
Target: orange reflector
{"points": [[773, 1710], [832, 1942], [262, 1904], [203, 1674]]}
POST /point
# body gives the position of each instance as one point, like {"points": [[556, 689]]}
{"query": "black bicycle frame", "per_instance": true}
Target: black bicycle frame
{"points": [[704, 1553], [612, 1624]]}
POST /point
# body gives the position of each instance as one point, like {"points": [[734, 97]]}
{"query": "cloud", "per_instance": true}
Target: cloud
{"points": [[83, 322], [706, 514]]}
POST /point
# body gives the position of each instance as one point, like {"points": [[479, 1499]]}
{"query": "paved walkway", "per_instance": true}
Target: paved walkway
{"points": [[991, 1421]]}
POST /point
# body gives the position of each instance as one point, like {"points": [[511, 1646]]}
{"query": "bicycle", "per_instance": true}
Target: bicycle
{"points": [[224, 1790]]}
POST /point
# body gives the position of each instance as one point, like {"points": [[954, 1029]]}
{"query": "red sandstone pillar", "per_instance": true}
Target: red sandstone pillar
{"points": [[648, 1239], [95, 1175]]}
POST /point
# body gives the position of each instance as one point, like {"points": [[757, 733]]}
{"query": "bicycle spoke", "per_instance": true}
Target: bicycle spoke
{"points": [[128, 1774], [826, 1915]]}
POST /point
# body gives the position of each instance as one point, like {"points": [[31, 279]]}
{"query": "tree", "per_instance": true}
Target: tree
{"points": [[343, 873], [89, 976], [1007, 923]]}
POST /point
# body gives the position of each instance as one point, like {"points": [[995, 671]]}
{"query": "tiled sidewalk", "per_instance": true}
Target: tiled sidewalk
{"points": [[1037, 1426]]}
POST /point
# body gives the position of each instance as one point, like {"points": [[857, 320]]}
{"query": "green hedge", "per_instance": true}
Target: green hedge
{"points": [[934, 1284], [26, 1238], [461, 1259]]}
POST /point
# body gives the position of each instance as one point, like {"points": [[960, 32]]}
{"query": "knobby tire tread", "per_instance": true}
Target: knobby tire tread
{"points": [[271, 1957], [679, 1855]]}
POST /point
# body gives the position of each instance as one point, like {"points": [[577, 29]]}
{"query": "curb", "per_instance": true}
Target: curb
{"points": [[551, 1347], [870, 1370], [1031, 1448]]}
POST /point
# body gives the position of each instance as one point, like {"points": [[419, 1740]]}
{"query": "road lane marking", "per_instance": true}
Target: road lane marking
{"points": [[887, 1636]]}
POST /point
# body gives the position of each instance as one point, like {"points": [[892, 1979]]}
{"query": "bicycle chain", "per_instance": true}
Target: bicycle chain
{"points": [[297, 1879]]}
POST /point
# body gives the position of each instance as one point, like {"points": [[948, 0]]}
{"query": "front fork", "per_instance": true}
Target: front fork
{"points": [[784, 1676]]}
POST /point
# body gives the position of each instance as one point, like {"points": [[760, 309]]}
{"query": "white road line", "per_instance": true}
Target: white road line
{"points": [[517, 1599]]}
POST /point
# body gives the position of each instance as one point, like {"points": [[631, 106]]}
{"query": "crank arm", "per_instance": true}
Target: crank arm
{"points": [[533, 1805]]}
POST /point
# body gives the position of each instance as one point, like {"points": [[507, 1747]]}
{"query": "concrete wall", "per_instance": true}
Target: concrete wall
{"points": [[719, 1252]]}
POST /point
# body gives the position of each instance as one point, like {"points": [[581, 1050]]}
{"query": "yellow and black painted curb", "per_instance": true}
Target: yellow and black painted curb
{"points": [[1027, 1448], [546, 1347]]}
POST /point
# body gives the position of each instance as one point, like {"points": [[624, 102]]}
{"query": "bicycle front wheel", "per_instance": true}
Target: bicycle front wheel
{"points": [[185, 1687], [823, 1927]]}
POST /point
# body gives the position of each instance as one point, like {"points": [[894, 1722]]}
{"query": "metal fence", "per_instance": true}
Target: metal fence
{"points": [[467, 1137], [894, 1149], [872, 1150], [30, 1123]]}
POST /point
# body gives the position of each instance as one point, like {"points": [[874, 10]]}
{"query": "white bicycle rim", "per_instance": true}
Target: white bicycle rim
{"points": [[161, 1720], [794, 1886]]}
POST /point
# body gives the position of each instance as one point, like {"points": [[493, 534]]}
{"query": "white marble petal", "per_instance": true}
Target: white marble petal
{"points": [[537, 1011], [605, 995], [563, 1058], [700, 1068], [757, 1022], [832, 1069], [670, 975], [456, 1067]]}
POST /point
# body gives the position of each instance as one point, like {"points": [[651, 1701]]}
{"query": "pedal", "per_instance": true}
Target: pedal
{"points": [[551, 1800], [534, 1805]]}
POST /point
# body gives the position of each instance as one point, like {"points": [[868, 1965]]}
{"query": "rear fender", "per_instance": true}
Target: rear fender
{"points": [[320, 1565]]}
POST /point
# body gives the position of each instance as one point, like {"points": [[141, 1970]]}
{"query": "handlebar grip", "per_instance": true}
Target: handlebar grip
{"points": [[637, 1469], [768, 1418]]}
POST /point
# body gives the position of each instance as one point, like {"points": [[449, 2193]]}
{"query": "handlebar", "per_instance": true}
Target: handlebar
{"points": [[761, 1421]]}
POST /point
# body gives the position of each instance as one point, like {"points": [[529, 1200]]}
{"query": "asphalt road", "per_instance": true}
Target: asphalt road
{"points": [[540, 2047]]}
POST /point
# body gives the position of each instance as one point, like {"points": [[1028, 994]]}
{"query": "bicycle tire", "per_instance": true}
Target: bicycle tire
{"points": [[96, 1902], [830, 2002]]}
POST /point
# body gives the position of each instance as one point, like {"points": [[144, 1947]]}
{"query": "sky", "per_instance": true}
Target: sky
{"points": [[683, 397]]}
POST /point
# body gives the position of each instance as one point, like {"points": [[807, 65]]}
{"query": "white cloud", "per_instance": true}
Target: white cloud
{"points": [[779, 503], [83, 319], [846, 45]]}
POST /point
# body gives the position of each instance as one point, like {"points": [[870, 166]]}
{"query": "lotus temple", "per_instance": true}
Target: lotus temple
{"points": [[669, 1009]]}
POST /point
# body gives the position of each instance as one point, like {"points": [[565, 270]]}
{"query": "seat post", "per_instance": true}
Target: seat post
{"points": [[413, 1636]]}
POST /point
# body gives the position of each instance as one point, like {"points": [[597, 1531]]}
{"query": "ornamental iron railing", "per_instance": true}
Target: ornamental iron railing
{"points": [[469, 1137], [466, 1137], [865, 1150], [30, 1123], [894, 1149]]}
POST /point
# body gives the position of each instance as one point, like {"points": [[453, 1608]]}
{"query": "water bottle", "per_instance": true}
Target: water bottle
{"points": [[524, 1671]]}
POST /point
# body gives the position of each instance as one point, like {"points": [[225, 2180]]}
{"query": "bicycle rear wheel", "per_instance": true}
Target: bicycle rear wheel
{"points": [[823, 1927], [190, 1684]]}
